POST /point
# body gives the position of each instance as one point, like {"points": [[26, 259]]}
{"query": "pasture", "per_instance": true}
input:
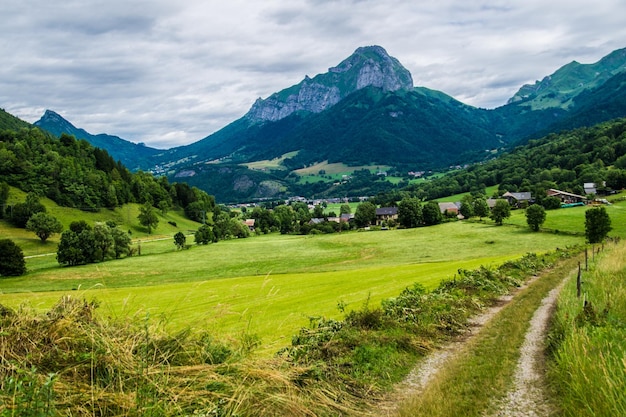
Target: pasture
{"points": [[268, 286]]}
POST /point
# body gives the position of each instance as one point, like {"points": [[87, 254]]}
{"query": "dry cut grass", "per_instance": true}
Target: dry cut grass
{"points": [[68, 359]]}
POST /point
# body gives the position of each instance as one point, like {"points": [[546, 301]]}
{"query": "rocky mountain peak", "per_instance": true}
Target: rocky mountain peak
{"points": [[367, 66]]}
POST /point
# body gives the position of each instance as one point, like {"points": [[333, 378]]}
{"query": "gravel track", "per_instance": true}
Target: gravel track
{"points": [[525, 399]]}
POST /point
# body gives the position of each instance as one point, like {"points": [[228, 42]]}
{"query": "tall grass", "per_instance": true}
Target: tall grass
{"points": [[588, 351]]}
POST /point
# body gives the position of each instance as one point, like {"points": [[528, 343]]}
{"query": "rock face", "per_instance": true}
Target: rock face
{"points": [[367, 66]]}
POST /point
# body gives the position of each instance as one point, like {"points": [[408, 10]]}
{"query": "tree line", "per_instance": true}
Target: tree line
{"points": [[75, 174]]}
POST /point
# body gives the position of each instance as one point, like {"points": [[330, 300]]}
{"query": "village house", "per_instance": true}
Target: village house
{"points": [[385, 214], [250, 223], [518, 199], [448, 208]]}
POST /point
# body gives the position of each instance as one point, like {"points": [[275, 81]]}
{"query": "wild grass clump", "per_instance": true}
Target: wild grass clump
{"points": [[588, 341], [69, 362]]}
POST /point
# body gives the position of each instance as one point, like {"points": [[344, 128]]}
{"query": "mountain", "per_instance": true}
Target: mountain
{"points": [[363, 111], [133, 155], [559, 89], [366, 112], [367, 66]]}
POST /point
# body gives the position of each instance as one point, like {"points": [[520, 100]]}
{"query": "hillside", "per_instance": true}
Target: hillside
{"points": [[10, 122], [565, 161], [74, 174]]}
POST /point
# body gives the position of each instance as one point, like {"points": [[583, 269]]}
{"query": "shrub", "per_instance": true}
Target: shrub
{"points": [[11, 259]]}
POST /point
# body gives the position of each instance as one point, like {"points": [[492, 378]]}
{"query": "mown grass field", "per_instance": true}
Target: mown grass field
{"points": [[270, 285]]}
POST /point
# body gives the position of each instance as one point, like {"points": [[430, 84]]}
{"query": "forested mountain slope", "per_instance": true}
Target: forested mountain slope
{"points": [[566, 161]]}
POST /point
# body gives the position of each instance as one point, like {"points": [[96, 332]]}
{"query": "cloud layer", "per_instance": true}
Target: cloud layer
{"points": [[170, 73]]}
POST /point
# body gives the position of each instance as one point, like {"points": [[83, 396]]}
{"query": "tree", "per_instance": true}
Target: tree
{"points": [[21, 212], [121, 242], [501, 211], [69, 251], [597, 224], [535, 216], [551, 203], [365, 214], [467, 206], [285, 217], [179, 240], [481, 208], [410, 213], [77, 245], [318, 211], [12, 262], [431, 214], [4, 197], [204, 235], [345, 209], [164, 206], [103, 239], [148, 217], [44, 225]]}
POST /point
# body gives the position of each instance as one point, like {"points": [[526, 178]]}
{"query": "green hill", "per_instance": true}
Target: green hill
{"points": [[10, 122]]}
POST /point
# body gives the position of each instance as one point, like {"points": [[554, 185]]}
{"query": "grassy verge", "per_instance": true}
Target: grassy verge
{"points": [[484, 369], [588, 366]]}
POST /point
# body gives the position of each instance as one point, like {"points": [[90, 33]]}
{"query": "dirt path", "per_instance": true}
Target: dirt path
{"points": [[526, 398], [419, 377]]}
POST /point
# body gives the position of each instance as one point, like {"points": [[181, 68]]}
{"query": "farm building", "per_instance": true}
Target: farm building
{"points": [[565, 197], [451, 208], [385, 214], [518, 199]]}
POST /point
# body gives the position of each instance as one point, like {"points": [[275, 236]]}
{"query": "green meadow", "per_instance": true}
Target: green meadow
{"points": [[269, 286]]}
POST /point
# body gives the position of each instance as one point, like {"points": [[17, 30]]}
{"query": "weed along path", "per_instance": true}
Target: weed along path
{"points": [[496, 368]]}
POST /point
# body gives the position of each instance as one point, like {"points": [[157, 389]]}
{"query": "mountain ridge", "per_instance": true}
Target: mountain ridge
{"points": [[571, 79], [133, 155], [402, 126]]}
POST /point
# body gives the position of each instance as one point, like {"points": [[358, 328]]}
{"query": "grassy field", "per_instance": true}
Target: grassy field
{"points": [[572, 220], [587, 365], [270, 285], [271, 163]]}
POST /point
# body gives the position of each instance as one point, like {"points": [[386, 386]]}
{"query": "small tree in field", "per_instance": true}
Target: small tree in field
{"points": [[481, 208], [148, 217], [501, 211], [180, 240], [11, 259], [535, 216], [44, 225], [597, 224]]}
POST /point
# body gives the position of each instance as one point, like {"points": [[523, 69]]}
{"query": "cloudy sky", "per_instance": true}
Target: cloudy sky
{"points": [[170, 72]]}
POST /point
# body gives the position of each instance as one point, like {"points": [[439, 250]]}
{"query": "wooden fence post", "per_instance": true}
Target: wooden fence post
{"points": [[578, 281]]}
